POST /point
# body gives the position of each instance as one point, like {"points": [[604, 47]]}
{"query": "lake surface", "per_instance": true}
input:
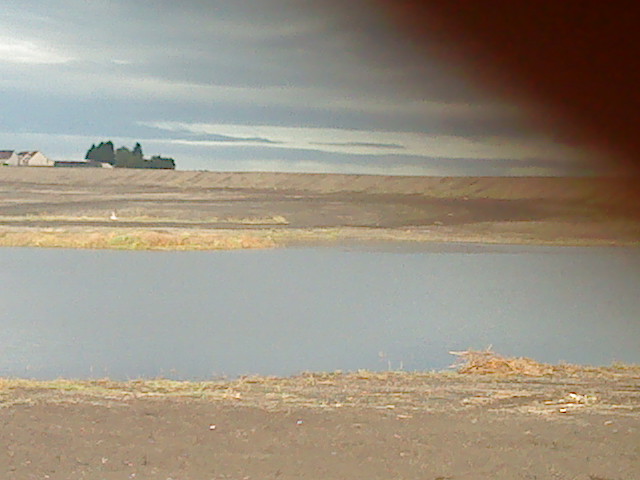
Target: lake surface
{"points": [[199, 315]]}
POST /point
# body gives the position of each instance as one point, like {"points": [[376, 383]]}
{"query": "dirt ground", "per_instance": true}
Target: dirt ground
{"points": [[304, 207], [326, 426]]}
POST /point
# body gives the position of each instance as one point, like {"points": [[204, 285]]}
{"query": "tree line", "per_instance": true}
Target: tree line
{"points": [[104, 152]]}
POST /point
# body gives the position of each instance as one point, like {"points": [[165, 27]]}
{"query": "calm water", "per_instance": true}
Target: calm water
{"points": [[206, 314]]}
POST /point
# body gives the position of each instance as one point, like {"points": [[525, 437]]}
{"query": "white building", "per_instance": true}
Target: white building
{"points": [[8, 157], [34, 159]]}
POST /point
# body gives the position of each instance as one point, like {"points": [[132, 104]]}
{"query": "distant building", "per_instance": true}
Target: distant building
{"points": [[78, 164], [8, 157], [34, 159]]}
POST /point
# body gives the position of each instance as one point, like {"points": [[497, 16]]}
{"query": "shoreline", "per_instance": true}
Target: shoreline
{"points": [[195, 239], [471, 367], [314, 389]]}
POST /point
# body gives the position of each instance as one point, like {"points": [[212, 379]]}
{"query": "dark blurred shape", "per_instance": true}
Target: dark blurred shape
{"points": [[581, 58]]}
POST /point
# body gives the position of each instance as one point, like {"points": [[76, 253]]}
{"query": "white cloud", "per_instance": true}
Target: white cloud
{"points": [[220, 157], [24, 51], [365, 142]]}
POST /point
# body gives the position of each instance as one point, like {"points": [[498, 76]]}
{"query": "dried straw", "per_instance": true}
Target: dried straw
{"points": [[487, 362]]}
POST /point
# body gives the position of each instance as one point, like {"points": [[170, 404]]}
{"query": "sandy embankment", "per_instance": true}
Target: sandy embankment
{"points": [[208, 210]]}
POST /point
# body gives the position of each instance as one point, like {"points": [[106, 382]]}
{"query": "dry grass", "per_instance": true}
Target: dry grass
{"points": [[158, 237], [555, 389], [488, 362], [489, 233], [135, 240]]}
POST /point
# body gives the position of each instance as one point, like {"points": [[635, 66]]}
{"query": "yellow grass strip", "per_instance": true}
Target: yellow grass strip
{"points": [[362, 389], [135, 240], [143, 238]]}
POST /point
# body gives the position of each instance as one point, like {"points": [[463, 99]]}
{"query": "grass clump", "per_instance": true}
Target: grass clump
{"points": [[488, 362], [485, 362]]}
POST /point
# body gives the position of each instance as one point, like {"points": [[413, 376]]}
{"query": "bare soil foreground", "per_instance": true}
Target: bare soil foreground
{"points": [[561, 423], [100, 208]]}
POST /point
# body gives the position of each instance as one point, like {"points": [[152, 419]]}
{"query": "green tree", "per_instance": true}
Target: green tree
{"points": [[162, 162], [125, 158], [137, 151], [102, 153], [90, 151]]}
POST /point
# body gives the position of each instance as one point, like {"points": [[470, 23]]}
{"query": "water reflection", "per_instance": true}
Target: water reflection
{"points": [[205, 314]]}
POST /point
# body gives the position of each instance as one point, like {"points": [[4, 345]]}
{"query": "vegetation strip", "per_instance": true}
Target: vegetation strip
{"points": [[477, 372], [260, 238], [135, 240]]}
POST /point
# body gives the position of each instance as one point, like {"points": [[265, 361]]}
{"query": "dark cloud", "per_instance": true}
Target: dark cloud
{"points": [[231, 139], [382, 146], [296, 63]]}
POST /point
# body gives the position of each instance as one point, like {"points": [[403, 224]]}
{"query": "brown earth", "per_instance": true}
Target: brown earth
{"points": [[279, 208], [326, 426]]}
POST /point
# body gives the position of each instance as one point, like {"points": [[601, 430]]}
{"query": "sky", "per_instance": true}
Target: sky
{"points": [[269, 85]]}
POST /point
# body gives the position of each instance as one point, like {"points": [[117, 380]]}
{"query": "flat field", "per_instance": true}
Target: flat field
{"points": [[100, 208]]}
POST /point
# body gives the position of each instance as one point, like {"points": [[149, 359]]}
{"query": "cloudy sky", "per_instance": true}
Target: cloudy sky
{"points": [[269, 85]]}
